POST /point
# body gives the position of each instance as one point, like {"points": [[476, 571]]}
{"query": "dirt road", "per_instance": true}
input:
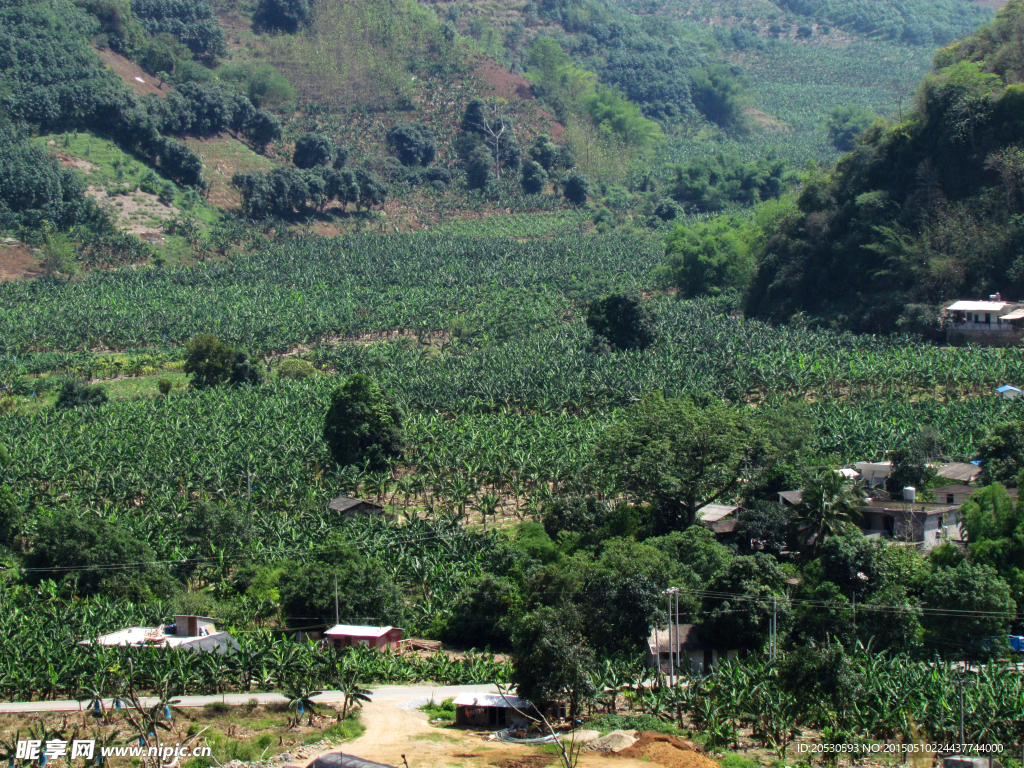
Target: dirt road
{"points": [[392, 732]]}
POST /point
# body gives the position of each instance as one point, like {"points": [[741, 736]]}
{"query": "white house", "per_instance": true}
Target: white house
{"points": [[195, 632], [994, 322]]}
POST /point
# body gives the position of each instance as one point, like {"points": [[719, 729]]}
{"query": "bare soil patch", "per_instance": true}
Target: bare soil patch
{"points": [[132, 73], [75, 162], [531, 761], [17, 263], [666, 751], [499, 82], [135, 212], [767, 121]]}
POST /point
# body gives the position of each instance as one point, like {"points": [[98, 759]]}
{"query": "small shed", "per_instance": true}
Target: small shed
{"points": [[353, 507], [724, 529], [350, 635], [491, 710], [692, 649], [1008, 392]]}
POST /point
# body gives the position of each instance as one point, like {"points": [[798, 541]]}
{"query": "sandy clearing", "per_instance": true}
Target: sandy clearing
{"points": [[392, 732]]}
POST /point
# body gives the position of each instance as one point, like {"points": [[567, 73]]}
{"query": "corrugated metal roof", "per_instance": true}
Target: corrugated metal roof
{"points": [[710, 513], [688, 636], [1007, 388], [1017, 314], [490, 700], [977, 306], [959, 471], [792, 497], [342, 503], [355, 630]]}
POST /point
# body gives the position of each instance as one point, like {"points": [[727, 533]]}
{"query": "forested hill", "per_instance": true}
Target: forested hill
{"points": [[918, 213]]}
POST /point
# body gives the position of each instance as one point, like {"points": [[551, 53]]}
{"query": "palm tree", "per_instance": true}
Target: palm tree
{"points": [[829, 502]]}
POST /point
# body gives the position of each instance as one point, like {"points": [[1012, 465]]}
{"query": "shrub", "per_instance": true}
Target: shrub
{"points": [[413, 143], [76, 393], [164, 385], [534, 177], [294, 368], [576, 189], [312, 149]]}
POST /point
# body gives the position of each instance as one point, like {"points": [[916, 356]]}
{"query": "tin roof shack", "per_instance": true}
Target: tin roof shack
{"points": [[994, 323], [351, 507], [490, 710], [720, 519], [349, 635], [692, 650], [195, 632]]}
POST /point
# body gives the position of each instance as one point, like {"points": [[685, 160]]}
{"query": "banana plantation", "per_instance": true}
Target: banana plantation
{"points": [[485, 347], [857, 699]]}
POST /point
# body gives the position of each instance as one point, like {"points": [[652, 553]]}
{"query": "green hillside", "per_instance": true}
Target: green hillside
{"points": [[922, 211], [547, 286]]}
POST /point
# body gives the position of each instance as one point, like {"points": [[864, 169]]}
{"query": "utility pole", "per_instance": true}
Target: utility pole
{"points": [[336, 621], [960, 684], [678, 660], [671, 645], [657, 653]]}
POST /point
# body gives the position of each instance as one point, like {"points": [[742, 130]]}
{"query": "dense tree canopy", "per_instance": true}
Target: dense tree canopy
{"points": [[677, 454], [363, 425]]}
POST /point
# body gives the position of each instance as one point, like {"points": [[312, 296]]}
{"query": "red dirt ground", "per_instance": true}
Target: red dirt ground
{"points": [[129, 71], [667, 751], [17, 262], [503, 84]]}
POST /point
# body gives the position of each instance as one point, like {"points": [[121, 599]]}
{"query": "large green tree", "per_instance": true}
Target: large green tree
{"points": [[366, 592], [994, 526], [1001, 453], [363, 424], [756, 588], [968, 605], [98, 556], [621, 321], [678, 455], [208, 361], [551, 658]]}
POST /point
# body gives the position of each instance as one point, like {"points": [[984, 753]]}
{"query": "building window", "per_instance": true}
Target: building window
{"points": [[950, 498]]}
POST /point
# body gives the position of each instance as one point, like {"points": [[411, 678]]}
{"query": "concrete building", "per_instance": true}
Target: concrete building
{"points": [[194, 632]]}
